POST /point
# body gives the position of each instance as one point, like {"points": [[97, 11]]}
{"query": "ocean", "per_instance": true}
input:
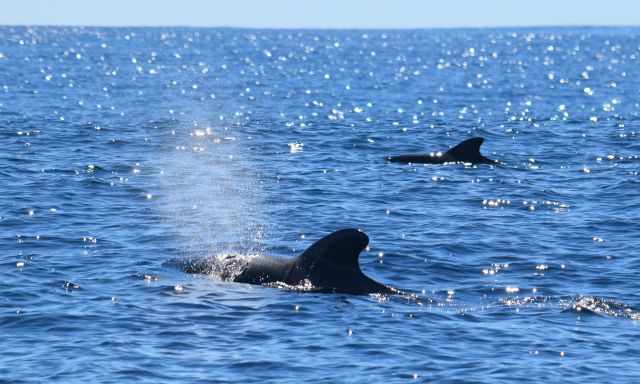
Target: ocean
{"points": [[126, 148]]}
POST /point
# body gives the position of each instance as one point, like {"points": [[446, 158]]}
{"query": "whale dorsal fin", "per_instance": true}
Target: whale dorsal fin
{"points": [[468, 150], [340, 248]]}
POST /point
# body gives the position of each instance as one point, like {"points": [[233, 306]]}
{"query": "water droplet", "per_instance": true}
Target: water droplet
{"points": [[510, 289]]}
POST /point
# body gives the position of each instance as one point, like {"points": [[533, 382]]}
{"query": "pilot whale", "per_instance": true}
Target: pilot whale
{"points": [[467, 151], [329, 265]]}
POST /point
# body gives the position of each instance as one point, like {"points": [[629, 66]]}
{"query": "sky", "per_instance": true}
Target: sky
{"points": [[321, 13]]}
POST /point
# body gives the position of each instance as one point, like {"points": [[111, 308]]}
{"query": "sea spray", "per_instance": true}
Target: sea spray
{"points": [[211, 194]]}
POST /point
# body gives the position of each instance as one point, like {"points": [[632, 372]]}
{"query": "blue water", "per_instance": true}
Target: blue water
{"points": [[123, 149]]}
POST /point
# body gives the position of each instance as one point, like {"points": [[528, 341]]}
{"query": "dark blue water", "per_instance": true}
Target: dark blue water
{"points": [[123, 149]]}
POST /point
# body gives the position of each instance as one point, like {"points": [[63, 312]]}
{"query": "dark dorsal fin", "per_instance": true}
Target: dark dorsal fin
{"points": [[339, 248], [468, 150]]}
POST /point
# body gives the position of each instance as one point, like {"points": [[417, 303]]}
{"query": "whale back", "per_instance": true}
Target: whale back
{"points": [[468, 151], [331, 263], [341, 248]]}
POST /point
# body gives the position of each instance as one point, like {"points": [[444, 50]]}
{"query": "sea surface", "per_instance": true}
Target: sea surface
{"points": [[122, 149]]}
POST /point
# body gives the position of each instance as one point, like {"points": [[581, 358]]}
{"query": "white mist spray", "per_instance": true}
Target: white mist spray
{"points": [[212, 195]]}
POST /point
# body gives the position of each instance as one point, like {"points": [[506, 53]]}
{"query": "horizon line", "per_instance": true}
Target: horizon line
{"points": [[328, 28]]}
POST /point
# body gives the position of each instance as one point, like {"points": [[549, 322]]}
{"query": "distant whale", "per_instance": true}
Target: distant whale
{"points": [[328, 265], [467, 151]]}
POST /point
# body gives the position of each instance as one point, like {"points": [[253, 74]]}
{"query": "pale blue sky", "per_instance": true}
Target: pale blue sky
{"points": [[321, 13]]}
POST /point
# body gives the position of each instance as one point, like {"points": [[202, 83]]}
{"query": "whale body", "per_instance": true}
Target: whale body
{"points": [[467, 151], [329, 265]]}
